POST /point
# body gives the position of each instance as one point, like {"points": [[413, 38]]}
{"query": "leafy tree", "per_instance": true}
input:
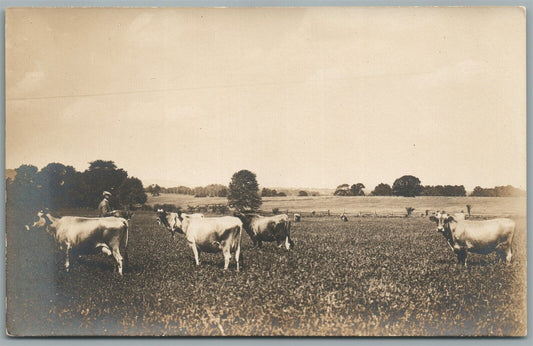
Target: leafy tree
{"points": [[303, 193], [131, 192], [56, 181], [154, 190], [266, 192], [357, 189], [23, 191], [342, 190], [382, 190], [102, 176], [407, 186], [244, 191]]}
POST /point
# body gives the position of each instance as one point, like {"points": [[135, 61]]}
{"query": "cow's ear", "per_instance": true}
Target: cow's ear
{"points": [[434, 219], [449, 219]]}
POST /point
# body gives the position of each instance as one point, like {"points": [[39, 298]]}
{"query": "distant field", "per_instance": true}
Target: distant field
{"points": [[482, 206]]}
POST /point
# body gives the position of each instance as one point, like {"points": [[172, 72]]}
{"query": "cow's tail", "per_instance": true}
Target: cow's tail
{"points": [[288, 230], [237, 245], [513, 230], [124, 242]]}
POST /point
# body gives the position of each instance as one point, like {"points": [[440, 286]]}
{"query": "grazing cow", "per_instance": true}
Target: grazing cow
{"points": [[273, 228], [297, 217], [171, 221], [344, 217], [213, 234], [87, 235], [481, 237]]}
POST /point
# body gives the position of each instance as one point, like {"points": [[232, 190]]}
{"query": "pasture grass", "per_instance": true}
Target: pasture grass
{"points": [[365, 277]]}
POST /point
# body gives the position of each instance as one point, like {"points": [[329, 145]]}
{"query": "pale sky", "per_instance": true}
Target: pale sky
{"points": [[310, 97]]}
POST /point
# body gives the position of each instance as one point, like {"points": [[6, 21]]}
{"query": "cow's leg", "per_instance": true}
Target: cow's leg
{"points": [[227, 257], [259, 243], [461, 257], [67, 262], [118, 258], [237, 255], [287, 243], [509, 256], [195, 251], [506, 253]]}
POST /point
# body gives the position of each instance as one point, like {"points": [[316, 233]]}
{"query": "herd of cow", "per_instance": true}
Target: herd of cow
{"points": [[109, 235]]}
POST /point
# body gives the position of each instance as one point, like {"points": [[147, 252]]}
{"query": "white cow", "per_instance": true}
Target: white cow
{"points": [[87, 235], [213, 234], [481, 237]]}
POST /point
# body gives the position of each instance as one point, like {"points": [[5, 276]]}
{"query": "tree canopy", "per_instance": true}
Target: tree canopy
{"points": [[59, 186], [244, 191], [407, 186], [382, 190]]}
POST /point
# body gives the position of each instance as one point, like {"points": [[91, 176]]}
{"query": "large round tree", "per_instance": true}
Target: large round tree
{"points": [[244, 191], [382, 189], [131, 192], [407, 186]]}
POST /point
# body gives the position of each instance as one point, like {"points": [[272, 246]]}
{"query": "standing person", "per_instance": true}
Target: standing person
{"points": [[104, 208]]}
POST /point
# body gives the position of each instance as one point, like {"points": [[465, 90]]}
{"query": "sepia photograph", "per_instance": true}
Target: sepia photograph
{"points": [[266, 171]]}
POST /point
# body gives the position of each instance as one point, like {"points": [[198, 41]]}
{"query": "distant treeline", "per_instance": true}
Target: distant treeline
{"points": [[60, 186], [212, 190], [498, 191], [410, 186], [218, 190]]}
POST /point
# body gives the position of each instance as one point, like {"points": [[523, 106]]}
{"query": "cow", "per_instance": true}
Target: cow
{"points": [[171, 220], [87, 235], [481, 237], [344, 217], [272, 228], [213, 234]]}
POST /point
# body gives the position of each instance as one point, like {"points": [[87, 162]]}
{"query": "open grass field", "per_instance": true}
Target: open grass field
{"points": [[482, 206], [365, 277]]}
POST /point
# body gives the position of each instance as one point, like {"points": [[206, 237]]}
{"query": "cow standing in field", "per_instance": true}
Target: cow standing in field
{"points": [[273, 228], [171, 221], [87, 235], [212, 234], [481, 237]]}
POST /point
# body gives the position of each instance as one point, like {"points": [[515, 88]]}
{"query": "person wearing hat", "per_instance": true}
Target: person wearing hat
{"points": [[104, 208]]}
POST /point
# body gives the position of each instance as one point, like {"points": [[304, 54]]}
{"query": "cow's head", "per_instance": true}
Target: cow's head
{"points": [[161, 217], [442, 220], [42, 221]]}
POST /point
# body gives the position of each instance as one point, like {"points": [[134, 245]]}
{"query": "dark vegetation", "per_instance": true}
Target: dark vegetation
{"points": [[244, 191], [60, 186], [347, 190], [368, 276]]}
